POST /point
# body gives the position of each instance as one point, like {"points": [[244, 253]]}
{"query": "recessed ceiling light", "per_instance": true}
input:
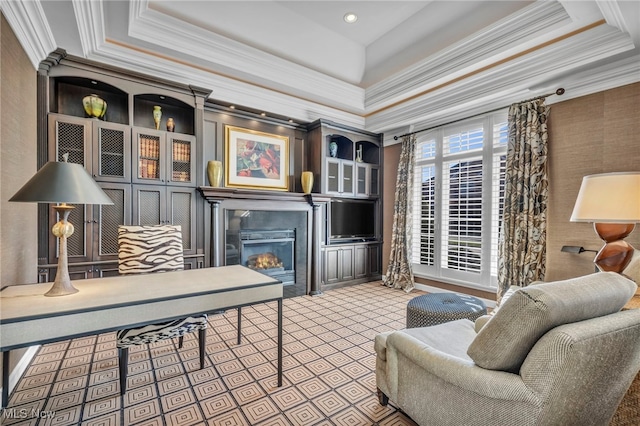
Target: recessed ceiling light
{"points": [[350, 17], [263, 114], [290, 120], [232, 106]]}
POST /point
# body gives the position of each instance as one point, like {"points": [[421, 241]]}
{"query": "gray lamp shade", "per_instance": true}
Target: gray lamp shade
{"points": [[61, 182]]}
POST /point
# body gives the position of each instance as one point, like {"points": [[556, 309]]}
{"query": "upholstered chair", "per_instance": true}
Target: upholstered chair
{"points": [[153, 249], [558, 353]]}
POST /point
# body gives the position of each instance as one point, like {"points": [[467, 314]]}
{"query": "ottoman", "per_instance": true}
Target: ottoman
{"points": [[436, 308]]}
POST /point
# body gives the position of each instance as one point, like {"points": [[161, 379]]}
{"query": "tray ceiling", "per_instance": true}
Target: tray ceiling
{"points": [[401, 65]]}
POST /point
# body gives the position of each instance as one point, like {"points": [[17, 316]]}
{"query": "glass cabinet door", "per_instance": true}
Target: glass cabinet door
{"points": [[150, 156], [182, 159]]}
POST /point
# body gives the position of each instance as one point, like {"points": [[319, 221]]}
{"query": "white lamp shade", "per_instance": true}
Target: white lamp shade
{"points": [[608, 198]]}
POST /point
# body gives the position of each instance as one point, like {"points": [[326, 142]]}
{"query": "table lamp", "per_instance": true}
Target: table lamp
{"points": [[62, 183], [612, 202]]}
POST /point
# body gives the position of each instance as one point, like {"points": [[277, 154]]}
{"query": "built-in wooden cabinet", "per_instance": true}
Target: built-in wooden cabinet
{"points": [[347, 165], [338, 264], [350, 263], [150, 173], [346, 160], [162, 157], [159, 205]]}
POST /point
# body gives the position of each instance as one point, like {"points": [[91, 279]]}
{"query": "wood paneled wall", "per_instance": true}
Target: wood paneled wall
{"points": [[592, 134]]}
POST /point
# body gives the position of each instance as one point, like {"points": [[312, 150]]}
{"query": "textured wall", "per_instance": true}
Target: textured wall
{"points": [[598, 133], [18, 239], [593, 134]]}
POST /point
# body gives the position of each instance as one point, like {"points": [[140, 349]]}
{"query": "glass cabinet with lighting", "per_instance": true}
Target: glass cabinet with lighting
{"points": [[143, 150]]}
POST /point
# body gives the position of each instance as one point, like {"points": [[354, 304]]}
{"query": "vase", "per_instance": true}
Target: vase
{"points": [[94, 106], [157, 115], [306, 179], [214, 172], [171, 125], [333, 149]]}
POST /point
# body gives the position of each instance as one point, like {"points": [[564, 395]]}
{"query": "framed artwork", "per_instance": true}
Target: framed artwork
{"points": [[256, 160]]}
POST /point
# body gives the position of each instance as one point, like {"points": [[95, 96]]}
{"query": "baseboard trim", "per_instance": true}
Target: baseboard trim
{"points": [[432, 289], [21, 367]]}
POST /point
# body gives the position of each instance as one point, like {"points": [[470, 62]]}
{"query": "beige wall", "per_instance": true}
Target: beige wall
{"points": [[18, 238], [592, 134]]}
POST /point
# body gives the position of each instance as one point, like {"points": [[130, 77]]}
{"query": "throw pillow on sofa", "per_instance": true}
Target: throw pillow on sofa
{"points": [[504, 342]]}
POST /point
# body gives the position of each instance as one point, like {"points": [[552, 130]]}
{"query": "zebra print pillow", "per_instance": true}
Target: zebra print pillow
{"points": [[144, 249]]}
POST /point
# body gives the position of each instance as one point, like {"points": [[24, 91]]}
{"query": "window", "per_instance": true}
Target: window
{"points": [[458, 198]]}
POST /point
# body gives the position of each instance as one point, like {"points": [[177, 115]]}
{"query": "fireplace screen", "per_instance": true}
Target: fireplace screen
{"points": [[271, 252]]}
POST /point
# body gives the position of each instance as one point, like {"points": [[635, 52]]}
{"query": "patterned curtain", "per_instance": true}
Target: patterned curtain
{"points": [[522, 247], [399, 273]]}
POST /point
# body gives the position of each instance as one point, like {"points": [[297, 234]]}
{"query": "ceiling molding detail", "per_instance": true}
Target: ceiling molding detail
{"points": [[229, 90], [612, 14], [521, 73], [90, 18], [30, 25], [470, 52], [543, 46], [605, 77], [229, 57]]}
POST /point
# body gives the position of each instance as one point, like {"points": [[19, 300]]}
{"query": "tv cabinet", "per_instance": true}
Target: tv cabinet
{"points": [[347, 164]]}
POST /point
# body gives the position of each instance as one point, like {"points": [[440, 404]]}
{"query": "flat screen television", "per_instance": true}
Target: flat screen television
{"points": [[353, 219]]}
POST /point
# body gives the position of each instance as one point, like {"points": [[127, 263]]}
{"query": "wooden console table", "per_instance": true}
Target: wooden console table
{"points": [[29, 318]]}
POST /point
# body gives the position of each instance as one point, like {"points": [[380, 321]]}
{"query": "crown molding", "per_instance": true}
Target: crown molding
{"points": [[612, 14], [509, 33], [91, 26], [616, 74], [551, 62], [229, 57], [229, 90], [30, 25]]}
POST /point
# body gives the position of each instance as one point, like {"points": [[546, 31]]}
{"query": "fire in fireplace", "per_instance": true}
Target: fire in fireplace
{"points": [[265, 261], [271, 252]]}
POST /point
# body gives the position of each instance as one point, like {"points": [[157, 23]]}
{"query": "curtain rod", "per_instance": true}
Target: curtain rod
{"points": [[558, 92]]}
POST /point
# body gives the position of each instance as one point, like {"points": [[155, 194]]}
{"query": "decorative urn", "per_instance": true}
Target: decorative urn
{"points": [[94, 106]]}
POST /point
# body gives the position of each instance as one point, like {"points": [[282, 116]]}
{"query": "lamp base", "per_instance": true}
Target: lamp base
{"points": [[61, 288], [62, 284], [616, 253]]}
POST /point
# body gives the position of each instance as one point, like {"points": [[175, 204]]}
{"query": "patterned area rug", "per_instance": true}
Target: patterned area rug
{"points": [[329, 370]]}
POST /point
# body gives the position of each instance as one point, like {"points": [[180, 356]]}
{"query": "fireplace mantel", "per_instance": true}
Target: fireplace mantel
{"points": [[221, 198], [212, 194]]}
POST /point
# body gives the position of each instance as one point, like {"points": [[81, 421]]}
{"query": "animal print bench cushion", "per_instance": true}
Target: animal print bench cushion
{"points": [[145, 249], [160, 331]]}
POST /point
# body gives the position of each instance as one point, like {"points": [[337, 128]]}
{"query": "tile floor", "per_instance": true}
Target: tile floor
{"points": [[328, 365]]}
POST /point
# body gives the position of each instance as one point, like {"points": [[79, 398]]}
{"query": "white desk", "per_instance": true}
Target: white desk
{"points": [[29, 318]]}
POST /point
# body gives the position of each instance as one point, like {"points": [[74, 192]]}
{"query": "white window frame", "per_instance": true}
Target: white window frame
{"points": [[486, 279]]}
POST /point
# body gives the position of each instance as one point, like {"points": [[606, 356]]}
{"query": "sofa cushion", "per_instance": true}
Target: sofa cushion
{"points": [[480, 322], [504, 342]]}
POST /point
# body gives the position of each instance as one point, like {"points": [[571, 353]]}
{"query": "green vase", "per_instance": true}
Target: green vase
{"points": [[157, 115], [94, 106]]}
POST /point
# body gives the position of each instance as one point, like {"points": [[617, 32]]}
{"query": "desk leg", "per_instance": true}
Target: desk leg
{"points": [[279, 342], [239, 325], [5, 378]]}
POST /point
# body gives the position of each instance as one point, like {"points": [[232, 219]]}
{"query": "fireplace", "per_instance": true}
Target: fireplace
{"points": [[234, 210], [271, 252], [273, 242]]}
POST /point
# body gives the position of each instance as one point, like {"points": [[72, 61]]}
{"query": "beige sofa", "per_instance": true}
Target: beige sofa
{"points": [[558, 353]]}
